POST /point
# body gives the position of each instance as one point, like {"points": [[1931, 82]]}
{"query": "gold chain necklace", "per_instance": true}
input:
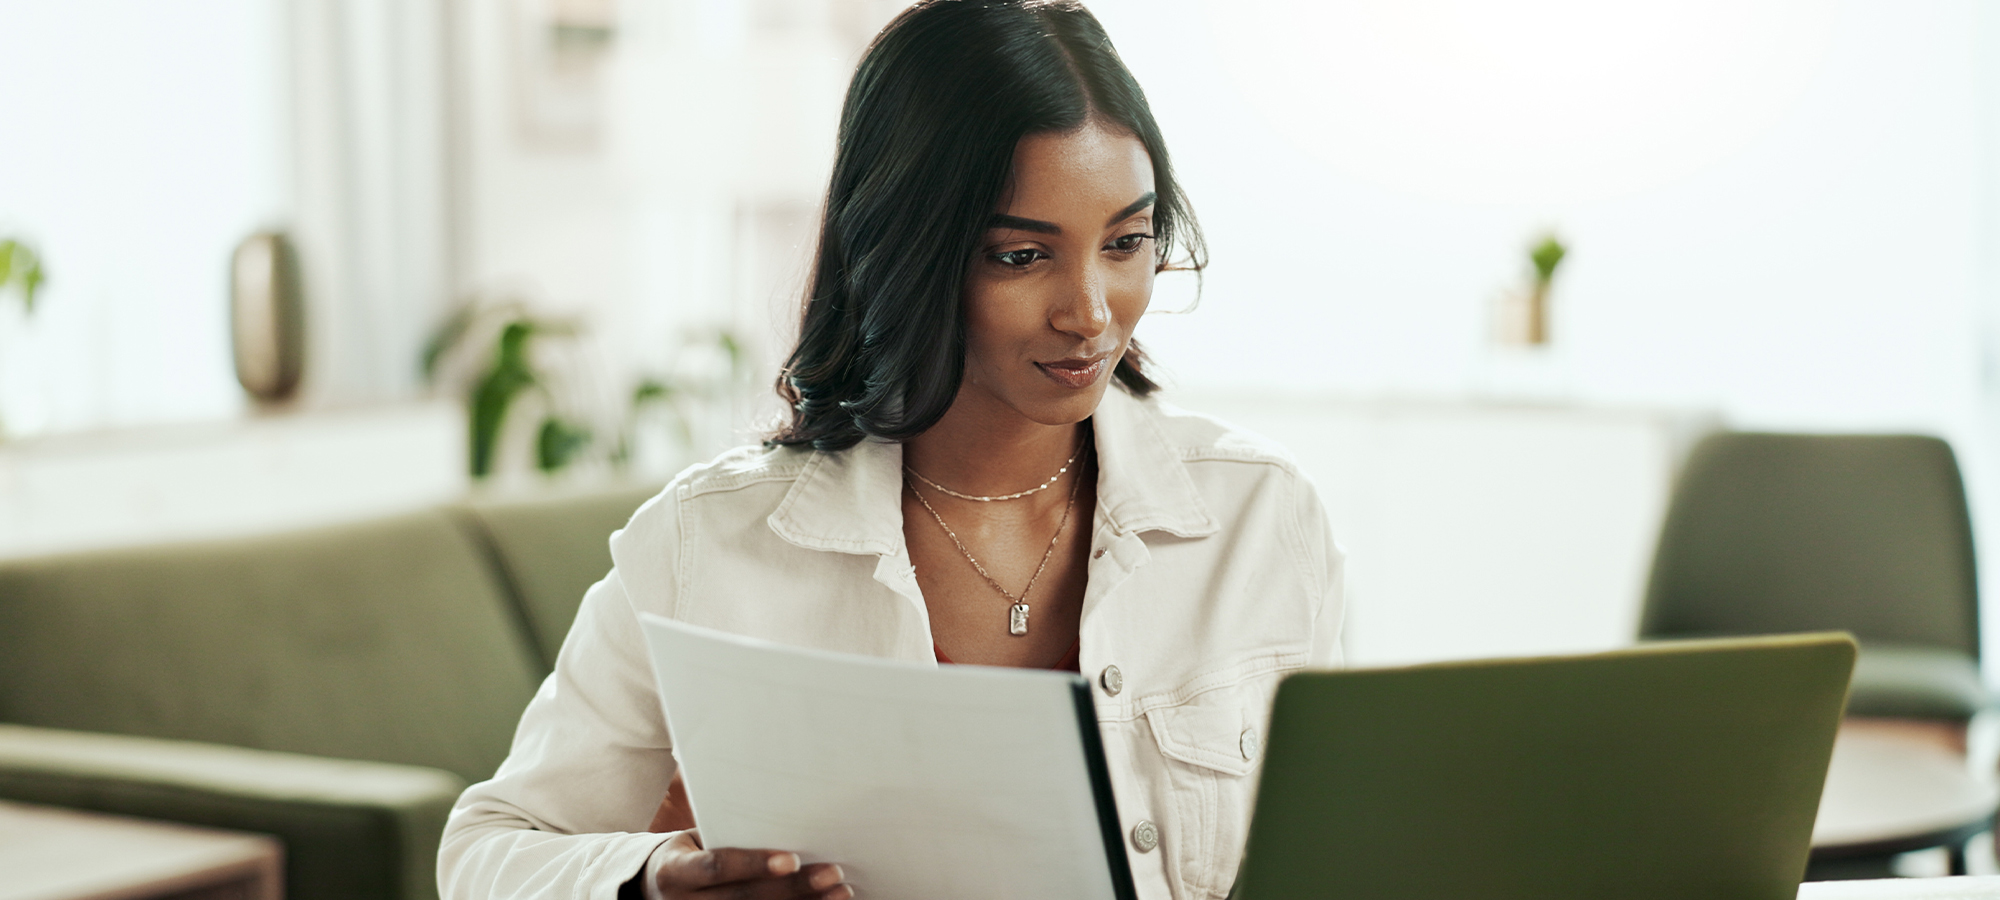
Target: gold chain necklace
{"points": [[1033, 490], [1017, 614]]}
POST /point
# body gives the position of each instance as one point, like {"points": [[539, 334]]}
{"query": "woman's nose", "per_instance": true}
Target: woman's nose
{"points": [[1084, 312]]}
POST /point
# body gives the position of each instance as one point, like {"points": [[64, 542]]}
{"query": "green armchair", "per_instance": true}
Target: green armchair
{"points": [[336, 687]]}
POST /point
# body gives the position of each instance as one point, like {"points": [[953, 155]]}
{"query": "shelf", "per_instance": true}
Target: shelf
{"points": [[225, 479]]}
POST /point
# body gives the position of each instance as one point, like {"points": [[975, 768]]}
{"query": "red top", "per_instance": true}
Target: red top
{"points": [[1069, 662]]}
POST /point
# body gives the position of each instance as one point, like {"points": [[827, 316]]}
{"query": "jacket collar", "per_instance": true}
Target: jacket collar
{"points": [[1142, 484], [849, 501]]}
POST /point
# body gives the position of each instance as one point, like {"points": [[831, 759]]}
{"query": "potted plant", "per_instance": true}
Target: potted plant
{"points": [[497, 354]]}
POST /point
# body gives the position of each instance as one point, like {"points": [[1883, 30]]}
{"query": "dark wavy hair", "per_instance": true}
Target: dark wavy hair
{"points": [[926, 144]]}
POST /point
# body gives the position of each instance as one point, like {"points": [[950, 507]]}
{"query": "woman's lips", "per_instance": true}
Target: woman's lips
{"points": [[1073, 373]]}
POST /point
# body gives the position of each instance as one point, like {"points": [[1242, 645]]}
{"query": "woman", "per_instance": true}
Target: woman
{"points": [[959, 481]]}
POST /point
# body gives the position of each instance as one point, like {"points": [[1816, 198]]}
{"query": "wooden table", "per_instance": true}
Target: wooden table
{"points": [[1895, 787], [1983, 888], [48, 853]]}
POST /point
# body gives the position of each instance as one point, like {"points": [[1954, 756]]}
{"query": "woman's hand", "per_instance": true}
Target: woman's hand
{"points": [[674, 814], [681, 870]]}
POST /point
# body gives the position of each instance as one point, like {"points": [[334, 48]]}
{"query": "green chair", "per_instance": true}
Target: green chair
{"points": [[1868, 534]]}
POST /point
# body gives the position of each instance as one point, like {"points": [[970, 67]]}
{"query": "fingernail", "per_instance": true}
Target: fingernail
{"points": [[827, 877], [844, 892], [784, 863]]}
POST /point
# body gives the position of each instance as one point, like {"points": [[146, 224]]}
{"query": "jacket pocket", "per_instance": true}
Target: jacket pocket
{"points": [[1211, 732]]}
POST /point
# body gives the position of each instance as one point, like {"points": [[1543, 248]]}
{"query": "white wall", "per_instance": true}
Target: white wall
{"points": [[1821, 273], [139, 142], [142, 141]]}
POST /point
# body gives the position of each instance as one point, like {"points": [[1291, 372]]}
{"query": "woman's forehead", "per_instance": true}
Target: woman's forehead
{"points": [[1077, 177]]}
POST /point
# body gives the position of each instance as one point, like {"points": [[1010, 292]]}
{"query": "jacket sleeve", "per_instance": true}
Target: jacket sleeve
{"points": [[1327, 562], [566, 814]]}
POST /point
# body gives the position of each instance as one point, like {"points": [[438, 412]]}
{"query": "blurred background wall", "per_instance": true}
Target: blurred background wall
{"points": [[1780, 215]]}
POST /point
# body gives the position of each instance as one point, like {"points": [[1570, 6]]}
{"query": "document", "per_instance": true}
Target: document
{"points": [[962, 782]]}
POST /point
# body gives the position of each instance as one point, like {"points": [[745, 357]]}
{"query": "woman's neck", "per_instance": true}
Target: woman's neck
{"points": [[990, 454]]}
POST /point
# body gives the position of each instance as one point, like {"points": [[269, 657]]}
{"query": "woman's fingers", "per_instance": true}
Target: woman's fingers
{"points": [[816, 882], [726, 865], [686, 870], [821, 879], [825, 883]]}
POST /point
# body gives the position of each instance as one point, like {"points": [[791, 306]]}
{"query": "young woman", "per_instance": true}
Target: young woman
{"points": [[974, 472]]}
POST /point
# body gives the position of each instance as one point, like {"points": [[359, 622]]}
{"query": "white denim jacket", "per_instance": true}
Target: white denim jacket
{"points": [[1212, 574]]}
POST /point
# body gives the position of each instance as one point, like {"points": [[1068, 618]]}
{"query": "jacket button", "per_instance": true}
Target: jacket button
{"points": [[1097, 553], [1248, 744], [1113, 681], [1145, 836]]}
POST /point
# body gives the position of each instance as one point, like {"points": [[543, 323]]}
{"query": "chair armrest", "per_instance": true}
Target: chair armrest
{"points": [[350, 828]]}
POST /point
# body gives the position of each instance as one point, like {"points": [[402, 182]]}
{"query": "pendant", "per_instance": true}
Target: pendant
{"points": [[1017, 624]]}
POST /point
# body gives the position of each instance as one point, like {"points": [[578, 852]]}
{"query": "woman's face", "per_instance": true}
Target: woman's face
{"points": [[1061, 277]]}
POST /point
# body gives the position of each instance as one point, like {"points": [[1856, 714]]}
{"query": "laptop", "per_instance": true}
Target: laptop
{"points": [[1674, 770]]}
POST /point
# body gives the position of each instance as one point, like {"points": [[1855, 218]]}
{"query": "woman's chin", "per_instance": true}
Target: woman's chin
{"points": [[1070, 408]]}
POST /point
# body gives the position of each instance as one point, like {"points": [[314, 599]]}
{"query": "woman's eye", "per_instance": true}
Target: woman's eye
{"points": [[1131, 243], [1019, 258]]}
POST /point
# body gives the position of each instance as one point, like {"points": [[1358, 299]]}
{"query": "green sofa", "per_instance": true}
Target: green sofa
{"points": [[336, 687]]}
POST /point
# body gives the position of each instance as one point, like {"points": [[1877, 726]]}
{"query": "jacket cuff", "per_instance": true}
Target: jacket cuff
{"points": [[626, 861]]}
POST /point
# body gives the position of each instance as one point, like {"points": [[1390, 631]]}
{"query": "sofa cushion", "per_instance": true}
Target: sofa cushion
{"points": [[551, 550], [386, 640]]}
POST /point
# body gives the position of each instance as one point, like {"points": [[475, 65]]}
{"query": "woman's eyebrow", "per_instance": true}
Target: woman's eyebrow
{"points": [[1126, 213], [1002, 220], [1017, 223]]}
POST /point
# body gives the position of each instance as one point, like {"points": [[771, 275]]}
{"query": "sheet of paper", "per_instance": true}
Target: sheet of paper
{"points": [[962, 782]]}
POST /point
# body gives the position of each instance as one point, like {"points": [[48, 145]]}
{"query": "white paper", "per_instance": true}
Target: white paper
{"points": [[962, 782]]}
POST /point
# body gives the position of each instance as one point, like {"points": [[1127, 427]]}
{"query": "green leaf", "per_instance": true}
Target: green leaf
{"points": [[1546, 256], [733, 347], [510, 372], [684, 429], [31, 282], [558, 443], [491, 397], [513, 348], [447, 336], [20, 266], [651, 390]]}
